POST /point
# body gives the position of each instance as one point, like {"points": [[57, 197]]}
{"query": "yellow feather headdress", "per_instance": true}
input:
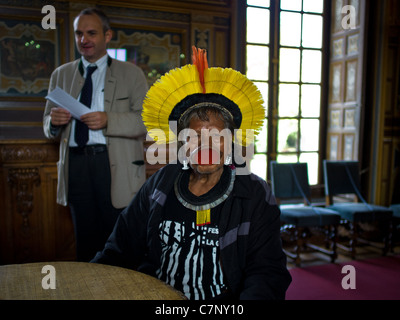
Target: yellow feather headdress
{"points": [[184, 87]]}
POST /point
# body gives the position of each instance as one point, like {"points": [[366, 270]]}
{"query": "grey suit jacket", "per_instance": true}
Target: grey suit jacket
{"points": [[124, 91]]}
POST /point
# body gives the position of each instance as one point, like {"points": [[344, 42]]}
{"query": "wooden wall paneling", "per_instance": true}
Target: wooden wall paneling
{"points": [[6, 220], [334, 147], [345, 103], [385, 179], [222, 47], [395, 173], [211, 32], [392, 118], [348, 148], [24, 184], [34, 227], [59, 239], [21, 182], [385, 123], [351, 81], [336, 82]]}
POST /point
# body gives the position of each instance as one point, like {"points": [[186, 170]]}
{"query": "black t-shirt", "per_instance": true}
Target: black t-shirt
{"points": [[190, 253]]}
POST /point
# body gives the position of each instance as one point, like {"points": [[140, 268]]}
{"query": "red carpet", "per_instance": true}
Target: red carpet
{"points": [[375, 279]]}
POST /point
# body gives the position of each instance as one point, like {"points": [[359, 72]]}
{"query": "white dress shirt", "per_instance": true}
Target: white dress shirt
{"points": [[98, 80]]}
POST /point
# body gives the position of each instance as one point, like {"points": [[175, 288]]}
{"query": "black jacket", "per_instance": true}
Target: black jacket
{"points": [[250, 245]]}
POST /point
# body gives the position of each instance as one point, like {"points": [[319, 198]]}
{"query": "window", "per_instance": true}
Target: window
{"points": [[284, 55], [119, 54]]}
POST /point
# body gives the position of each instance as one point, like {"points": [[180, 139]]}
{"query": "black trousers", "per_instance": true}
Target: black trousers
{"points": [[89, 198]]}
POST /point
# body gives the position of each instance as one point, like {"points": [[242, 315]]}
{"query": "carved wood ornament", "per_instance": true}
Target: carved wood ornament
{"points": [[23, 180]]}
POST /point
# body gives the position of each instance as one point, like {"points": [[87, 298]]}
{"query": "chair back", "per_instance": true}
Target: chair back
{"points": [[290, 180], [341, 177]]}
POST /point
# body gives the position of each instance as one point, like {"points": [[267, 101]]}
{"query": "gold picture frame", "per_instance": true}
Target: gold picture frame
{"points": [[28, 56]]}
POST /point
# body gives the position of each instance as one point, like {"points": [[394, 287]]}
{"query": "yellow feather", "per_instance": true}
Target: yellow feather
{"points": [[174, 86], [236, 87]]}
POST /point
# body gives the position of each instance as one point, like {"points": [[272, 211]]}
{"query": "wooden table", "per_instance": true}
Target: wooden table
{"points": [[81, 281]]}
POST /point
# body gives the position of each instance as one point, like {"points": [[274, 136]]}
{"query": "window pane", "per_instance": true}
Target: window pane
{"points": [[261, 139], [311, 67], [316, 6], [290, 29], [112, 52], [121, 54], [257, 25], [257, 62], [312, 160], [258, 3], [310, 100], [287, 135], [288, 100], [258, 165], [289, 65], [312, 31], [309, 134], [286, 158], [291, 5]]}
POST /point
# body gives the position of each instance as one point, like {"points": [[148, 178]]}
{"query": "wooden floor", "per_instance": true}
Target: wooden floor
{"points": [[363, 252]]}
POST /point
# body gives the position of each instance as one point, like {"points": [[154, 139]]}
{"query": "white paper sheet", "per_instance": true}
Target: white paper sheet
{"points": [[62, 99]]}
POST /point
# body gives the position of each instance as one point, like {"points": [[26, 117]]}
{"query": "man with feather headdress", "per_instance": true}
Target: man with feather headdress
{"points": [[197, 225]]}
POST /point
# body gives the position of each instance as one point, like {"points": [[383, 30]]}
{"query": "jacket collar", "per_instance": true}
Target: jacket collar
{"points": [[81, 67], [241, 188]]}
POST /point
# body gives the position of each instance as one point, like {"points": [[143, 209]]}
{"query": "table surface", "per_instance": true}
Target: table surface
{"points": [[81, 281]]}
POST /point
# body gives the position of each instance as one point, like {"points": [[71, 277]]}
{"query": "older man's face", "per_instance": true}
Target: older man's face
{"points": [[208, 145]]}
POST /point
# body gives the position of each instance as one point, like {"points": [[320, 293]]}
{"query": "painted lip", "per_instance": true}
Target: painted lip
{"points": [[205, 156]]}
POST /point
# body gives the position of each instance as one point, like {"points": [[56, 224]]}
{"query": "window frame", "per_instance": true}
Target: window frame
{"points": [[273, 85]]}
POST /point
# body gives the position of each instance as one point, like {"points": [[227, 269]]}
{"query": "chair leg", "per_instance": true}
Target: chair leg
{"points": [[334, 243], [391, 239], [330, 241], [328, 237], [388, 241], [298, 234], [353, 239], [294, 253]]}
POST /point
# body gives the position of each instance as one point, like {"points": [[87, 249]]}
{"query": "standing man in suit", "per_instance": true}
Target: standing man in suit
{"points": [[101, 163]]}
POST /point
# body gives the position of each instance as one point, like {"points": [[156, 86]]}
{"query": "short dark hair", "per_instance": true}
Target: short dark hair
{"points": [[105, 21], [202, 113]]}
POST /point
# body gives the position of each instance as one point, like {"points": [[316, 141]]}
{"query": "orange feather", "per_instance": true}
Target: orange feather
{"points": [[199, 59]]}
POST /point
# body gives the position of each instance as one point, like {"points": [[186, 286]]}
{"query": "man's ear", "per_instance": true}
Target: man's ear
{"points": [[108, 35]]}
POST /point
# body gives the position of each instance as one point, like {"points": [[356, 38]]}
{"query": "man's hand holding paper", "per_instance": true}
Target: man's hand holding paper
{"points": [[69, 107], [59, 116], [95, 120], [62, 99]]}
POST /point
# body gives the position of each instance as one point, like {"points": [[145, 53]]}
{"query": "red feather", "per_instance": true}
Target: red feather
{"points": [[199, 59]]}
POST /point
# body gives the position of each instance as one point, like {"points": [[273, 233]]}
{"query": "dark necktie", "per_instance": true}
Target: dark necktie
{"points": [[81, 129]]}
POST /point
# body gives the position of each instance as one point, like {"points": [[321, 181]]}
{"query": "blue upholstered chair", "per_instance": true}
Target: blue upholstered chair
{"points": [[290, 181], [395, 224], [396, 211], [342, 178]]}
